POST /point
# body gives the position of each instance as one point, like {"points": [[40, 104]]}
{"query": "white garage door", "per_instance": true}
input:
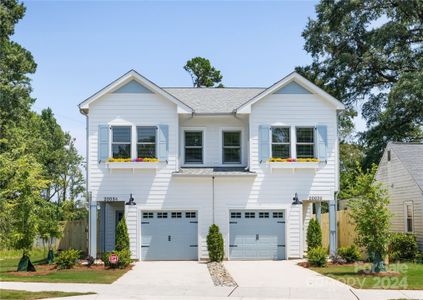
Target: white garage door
{"points": [[169, 235], [257, 234]]}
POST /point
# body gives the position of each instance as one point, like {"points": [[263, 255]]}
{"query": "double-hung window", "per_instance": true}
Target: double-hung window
{"points": [[146, 142], [280, 142], [121, 141], [305, 142], [231, 147], [409, 217], [193, 147]]}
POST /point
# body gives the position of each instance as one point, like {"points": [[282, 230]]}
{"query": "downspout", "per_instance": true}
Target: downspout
{"points": [[248, 140], [213, 198]]}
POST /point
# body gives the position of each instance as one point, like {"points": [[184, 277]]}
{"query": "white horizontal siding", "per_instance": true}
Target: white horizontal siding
{"points": [[212, 128], [298, 110]]}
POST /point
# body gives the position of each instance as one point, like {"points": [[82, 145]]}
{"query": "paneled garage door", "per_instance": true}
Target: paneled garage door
{"points": [[169, 235], [257, 234]]}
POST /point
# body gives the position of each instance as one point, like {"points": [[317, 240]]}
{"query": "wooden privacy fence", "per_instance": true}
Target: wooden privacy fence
{"points": [[346, 229], [75, 236]]}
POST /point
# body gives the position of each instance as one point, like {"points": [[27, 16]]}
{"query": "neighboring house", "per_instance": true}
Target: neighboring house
{"points": [[401, 172], [213, 147]]}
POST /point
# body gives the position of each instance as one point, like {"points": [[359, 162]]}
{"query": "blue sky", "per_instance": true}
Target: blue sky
{"points": [[81, 46]]}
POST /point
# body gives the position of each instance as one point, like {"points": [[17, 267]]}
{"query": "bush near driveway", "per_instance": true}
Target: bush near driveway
{"points": [[317, 257], [402, 246], [215, 244], [314, 234]]}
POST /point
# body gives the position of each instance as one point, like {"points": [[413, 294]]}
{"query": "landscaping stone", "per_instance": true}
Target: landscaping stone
{"points": [[219, 275]]}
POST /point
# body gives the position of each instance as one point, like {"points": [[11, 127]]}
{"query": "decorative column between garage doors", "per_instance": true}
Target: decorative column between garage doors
{"points": [[131, 217]]}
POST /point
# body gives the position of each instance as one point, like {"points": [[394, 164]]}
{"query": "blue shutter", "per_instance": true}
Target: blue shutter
{"points": [[103, 143], [322, 142], [163, 140], [264, 143]]}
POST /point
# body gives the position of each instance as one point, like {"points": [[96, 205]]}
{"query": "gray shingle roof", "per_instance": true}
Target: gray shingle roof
{"points": [[411, 156], [217, 171], [214, 100]]}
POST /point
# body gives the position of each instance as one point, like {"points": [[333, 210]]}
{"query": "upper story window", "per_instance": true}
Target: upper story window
{"points": [[231, 147], [193, 147], [146, 142], [305, 142], [121, 141], [280, 142]]}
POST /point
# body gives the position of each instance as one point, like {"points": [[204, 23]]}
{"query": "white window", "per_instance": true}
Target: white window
{"points": [[231, 151], [281, 142], [193, 147], [305, 142], [146, 142], [408, 216], [121, 141]]}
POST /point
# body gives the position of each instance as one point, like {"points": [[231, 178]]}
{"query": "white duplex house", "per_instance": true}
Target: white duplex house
{"points": [[173, 161]]}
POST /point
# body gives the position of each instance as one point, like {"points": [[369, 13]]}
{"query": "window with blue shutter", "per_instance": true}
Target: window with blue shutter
{"points": [[163, 140], [264, 143], [103, 143], [322, 142]]}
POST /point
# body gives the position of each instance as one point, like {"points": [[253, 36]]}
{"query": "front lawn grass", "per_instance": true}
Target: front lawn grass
{"points": [[9, 262], [410, 278], [25, 295]]}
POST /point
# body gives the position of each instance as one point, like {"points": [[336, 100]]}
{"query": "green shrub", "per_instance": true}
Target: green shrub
{"points": [[317, 257], [314, 235], [105, 258], [67, 258], [350, 254], [122, 237], [215, 244], [419, 258], [402, 246], [124, 259]]}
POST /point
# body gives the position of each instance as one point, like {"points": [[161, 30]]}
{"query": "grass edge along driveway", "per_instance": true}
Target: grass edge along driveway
{"points": [[25, 295], [410, 277]]}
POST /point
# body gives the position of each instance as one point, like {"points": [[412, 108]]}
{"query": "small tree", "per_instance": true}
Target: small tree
{"points": [[49, 227], [314, 235], [122, 237], [215, 244], [368, 208]]}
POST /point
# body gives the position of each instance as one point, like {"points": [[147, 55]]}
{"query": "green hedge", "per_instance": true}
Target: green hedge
{"points": [[402, 246], [314, 235], [215, 244]]}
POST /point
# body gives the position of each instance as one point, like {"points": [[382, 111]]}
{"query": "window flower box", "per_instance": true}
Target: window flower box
{"points": [[137, 163], [292, 163]]}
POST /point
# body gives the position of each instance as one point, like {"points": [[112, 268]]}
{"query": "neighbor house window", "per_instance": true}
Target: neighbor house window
{"points": [[280, 142], [193, 147], [409, 217], [231, 147], [305, 142], [121, 141], [146, 142]]}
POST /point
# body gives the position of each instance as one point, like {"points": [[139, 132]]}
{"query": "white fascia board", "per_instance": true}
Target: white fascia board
{"points": [[314, 89], [133, 75]]}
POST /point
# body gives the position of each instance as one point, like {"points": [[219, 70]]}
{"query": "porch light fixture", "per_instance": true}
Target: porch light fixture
{"points": [[296, 200], [131, 200]]}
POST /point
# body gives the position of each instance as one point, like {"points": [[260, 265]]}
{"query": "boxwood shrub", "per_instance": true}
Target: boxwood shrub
{"points": [[317, 257]]}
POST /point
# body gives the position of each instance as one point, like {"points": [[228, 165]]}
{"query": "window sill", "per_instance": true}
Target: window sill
{"points": [[294, 165], [132, 165]]}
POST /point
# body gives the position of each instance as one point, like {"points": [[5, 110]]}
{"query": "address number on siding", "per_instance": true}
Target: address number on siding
{"points": [[111, 199], [315, 198]]}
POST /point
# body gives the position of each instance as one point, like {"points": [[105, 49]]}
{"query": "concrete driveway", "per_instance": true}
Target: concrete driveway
{"points": [[284, 279]]}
